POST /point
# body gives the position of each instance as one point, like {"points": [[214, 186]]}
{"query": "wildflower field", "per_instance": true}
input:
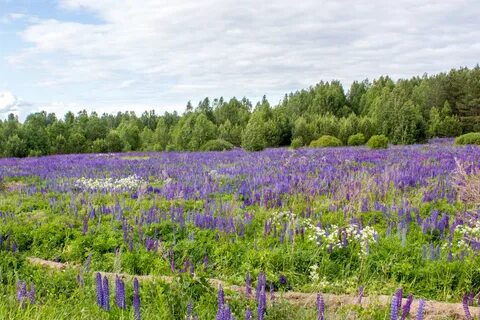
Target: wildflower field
{"points": [[312, 233]]}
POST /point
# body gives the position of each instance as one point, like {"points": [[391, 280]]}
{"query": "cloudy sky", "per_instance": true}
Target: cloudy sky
{"points": [[111, 55]]}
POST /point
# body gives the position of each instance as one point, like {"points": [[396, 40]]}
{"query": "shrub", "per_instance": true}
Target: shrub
{"points": [[326, 141], [378, 142], [468, 138], [217, 145], [356, 139], [297, 143]]}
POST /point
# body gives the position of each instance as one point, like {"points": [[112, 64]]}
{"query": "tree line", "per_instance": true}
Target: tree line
{"points": [[406, 111]]}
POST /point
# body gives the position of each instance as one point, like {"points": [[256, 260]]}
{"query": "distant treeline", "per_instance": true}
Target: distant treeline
{"points": [[406, 111]]}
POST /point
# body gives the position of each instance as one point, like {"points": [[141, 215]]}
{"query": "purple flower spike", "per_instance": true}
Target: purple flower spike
{"points": [[320, 307], [221, 297], [406, 307], [465, 301], [394, 308], [106, 294], [120, 293], [99, 286], [421, 309]]}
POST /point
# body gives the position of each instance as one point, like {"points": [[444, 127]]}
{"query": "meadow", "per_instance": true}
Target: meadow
{"points": [[276, 234]]}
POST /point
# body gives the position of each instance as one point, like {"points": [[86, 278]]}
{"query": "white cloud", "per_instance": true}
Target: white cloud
{"points": [[168, 52], [9, 103]]}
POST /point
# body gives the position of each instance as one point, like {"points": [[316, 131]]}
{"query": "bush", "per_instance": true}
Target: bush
{"points": [[326, 141], [217, 145], [297, 143], [378, 142], [356, 139], [468, 138]]}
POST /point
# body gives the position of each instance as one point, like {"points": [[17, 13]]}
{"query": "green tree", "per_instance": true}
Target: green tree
{"points": [[203, 131], [16, 147]]}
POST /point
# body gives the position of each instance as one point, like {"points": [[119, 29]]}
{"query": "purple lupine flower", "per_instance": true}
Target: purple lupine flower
{"points": [[406, 307], [99, 286], [248, 287], [394, 308], [468, 315], [120, 293], [136, 300], [221, 296], [260, 283], [248, 314], [282, 279], [262, 304], [399, 294], [21, 292], [106, 294], [320, 307], [421, 309]]}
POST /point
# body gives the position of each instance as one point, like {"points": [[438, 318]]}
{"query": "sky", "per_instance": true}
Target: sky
{"points": [[119, 55]]}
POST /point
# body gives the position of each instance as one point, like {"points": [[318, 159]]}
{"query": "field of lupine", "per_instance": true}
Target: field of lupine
{"points": [[237, 235]]}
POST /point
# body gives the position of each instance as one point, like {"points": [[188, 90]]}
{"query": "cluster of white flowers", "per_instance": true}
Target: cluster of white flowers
{"points": [[464, 234], [283, 216], [129, 183], [334, 237], [314, 277]]}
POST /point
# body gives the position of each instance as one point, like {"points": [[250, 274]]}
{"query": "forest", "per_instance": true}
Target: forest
{"points": [[406, 111]]}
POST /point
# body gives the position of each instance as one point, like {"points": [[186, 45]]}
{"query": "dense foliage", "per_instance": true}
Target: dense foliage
{"points": [[406, 111], [378, 142], [468, 138], [356, 139], [326, 141]]}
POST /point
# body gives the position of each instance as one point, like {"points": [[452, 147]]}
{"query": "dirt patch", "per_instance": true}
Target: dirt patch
{"points": [[433, 309]]}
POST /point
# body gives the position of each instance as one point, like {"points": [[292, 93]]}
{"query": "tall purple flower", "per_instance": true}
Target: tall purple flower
{"points": [[421, 309], [120, 293], [221, 297], [136, 300], [399, 295], [465, 301], [320, 307], [262, 304], [394, 308], [406, 307], [106, 294], [99, 286]]}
